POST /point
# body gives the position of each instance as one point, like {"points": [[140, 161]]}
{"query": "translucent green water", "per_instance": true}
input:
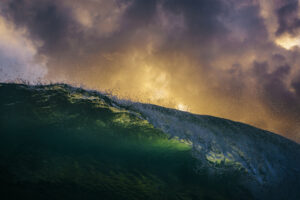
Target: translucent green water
{"points": [[57, 142]]}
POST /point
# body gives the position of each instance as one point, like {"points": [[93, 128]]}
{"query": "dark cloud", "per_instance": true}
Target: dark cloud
{"points": [[296, 87], [288, 18], [52, 23], [201, 16], [273, 88], [140, 13], [275, 91], [46, 21]]}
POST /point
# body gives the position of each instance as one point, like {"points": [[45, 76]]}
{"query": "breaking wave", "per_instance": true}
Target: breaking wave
{"points": [[60, 141]]}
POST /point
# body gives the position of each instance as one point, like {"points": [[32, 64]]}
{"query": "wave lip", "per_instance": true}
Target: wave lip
{"points": [[269, 163]]}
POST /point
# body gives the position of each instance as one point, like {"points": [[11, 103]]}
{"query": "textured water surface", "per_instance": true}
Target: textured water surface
{"points": [[60, 142]]}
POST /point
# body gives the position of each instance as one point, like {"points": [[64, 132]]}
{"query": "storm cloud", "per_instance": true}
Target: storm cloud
{"points": [[237, 59]]}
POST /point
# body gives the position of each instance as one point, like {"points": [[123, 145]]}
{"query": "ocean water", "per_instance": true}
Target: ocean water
{"points": [[62, 142]]}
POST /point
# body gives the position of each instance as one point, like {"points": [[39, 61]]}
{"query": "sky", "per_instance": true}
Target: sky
{"points": [[236, 59]]}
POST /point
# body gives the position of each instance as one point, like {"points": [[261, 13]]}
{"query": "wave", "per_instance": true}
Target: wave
{"points": [[61, 136]]}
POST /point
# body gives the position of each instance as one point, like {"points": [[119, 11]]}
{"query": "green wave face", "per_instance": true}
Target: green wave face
{"points": [[58, 142]]}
